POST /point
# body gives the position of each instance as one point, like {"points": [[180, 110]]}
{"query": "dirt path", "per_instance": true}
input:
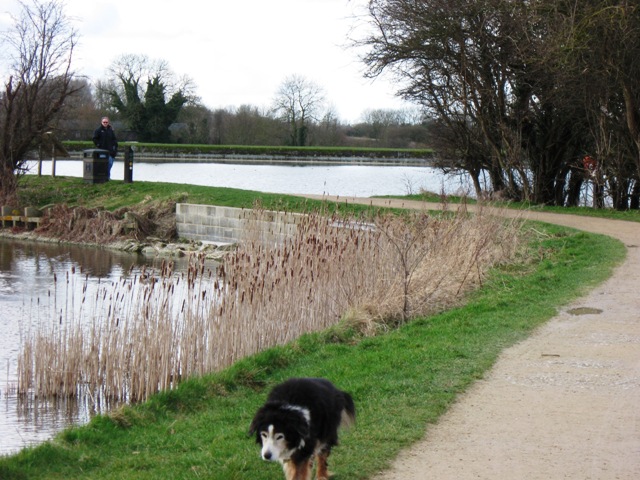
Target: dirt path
{"points": [[563, 404]]}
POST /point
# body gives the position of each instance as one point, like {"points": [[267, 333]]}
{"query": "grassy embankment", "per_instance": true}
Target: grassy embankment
{"points": [[400, 381], [629, 215]]}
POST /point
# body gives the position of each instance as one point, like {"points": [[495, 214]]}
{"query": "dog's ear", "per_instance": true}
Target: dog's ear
{"points": [[253, 427], [255, 423]]}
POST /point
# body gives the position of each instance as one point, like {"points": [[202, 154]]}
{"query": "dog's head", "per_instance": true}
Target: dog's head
{"points": [[281, 429]]}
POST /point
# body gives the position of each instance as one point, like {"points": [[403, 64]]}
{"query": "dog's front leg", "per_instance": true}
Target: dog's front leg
{"points": [[322, 472], [297, 471]]}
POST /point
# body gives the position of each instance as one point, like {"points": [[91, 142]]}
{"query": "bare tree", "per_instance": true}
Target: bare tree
{"points": [[329, 131], [452, 57], [382, 120], [250, 125], [298, 102], [481, 69], [604, 56], [40, 46], [79, 119]]}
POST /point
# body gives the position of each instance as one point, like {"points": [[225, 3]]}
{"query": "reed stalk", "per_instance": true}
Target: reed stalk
{"points": [[126, 340]]}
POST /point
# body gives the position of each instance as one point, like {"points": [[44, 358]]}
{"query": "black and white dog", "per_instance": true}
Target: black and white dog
{"points": [[299, 422]]}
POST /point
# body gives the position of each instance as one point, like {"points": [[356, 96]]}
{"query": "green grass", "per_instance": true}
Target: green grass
{"points": [[400, 381], [629, 215], [40, 191]]}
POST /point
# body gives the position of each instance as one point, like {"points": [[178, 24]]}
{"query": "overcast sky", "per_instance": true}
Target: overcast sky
{"points": [[236, 51]]}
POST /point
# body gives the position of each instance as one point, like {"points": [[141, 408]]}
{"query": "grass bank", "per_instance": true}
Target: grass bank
{"points": [[45, 190], [628, 215], [73, 191], [400, 381]]}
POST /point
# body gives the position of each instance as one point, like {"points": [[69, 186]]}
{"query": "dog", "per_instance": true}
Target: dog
{"points": [[299, 423]]}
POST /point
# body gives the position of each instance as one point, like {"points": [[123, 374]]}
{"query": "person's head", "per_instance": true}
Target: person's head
{"points": [[105, 121]]}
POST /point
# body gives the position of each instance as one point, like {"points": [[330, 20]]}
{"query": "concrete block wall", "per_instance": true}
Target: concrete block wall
{"points": [[211, 223]]}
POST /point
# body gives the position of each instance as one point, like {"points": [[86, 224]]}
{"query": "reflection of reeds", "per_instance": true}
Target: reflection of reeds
{"points": [[141, 335]]}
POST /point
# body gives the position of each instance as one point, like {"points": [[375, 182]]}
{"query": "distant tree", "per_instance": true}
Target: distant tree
{"points": [[81, 115], [39, 82], [328, 131], [138, 89], [381, 121], [102, 96], [250, 125], [298, 102], [195, 122]]}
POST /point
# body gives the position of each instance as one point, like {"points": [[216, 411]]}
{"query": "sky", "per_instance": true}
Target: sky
{"points": [[237, 52]]}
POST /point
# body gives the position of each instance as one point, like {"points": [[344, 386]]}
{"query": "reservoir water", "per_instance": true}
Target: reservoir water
{"points": [[345, 180]]}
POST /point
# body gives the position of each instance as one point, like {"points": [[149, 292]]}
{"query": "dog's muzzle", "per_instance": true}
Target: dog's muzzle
{"points": [[268, 456]]}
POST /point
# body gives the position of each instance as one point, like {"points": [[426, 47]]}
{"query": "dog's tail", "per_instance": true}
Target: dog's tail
{"points": [[348, 412]]}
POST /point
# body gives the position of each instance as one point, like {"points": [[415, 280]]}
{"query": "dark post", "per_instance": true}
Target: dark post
{"points": [[128, 164]]}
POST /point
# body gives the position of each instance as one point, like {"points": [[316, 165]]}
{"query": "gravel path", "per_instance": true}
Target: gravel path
{"points": [[563, 404]]}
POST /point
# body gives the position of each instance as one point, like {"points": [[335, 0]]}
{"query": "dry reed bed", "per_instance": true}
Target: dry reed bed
{"points": [[142, 334]]}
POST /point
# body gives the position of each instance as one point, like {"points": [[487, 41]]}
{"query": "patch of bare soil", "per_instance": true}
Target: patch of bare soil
{"points": [[563, 404]]}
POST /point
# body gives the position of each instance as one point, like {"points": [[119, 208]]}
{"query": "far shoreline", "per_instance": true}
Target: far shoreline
{"points": [[247, 159]]}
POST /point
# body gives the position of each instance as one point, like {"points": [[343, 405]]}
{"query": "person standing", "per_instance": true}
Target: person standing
{"points": [[105, 138]]}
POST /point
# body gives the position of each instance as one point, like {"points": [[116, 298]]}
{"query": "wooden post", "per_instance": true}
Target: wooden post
{"points": [[40, 160], [53, 159]]}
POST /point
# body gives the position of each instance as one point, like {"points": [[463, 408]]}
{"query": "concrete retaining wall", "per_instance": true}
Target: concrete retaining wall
{"points": [[211, 223]]}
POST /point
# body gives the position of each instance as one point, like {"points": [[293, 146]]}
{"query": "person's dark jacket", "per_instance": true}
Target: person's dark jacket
{"points": [[105, 138]]}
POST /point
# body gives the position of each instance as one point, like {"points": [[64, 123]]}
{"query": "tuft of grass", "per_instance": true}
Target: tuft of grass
{"points": [[401, 382]]}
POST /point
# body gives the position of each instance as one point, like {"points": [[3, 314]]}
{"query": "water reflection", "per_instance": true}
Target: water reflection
{"points": [[37, 285], [28, 421]]}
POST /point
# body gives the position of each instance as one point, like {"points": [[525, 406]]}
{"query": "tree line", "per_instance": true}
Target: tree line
{"points": [[153, 117], [539, 95]]}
